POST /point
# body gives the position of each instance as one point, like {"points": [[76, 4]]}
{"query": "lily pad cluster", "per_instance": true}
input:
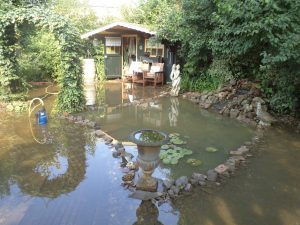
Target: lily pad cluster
{"points": [[175, 139], [173, 154]]}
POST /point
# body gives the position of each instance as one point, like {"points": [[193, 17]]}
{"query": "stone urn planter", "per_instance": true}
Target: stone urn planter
{"points": [[148, 144]]}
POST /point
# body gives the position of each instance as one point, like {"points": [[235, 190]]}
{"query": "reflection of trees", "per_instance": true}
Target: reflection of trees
{"points": [[19, 164]]}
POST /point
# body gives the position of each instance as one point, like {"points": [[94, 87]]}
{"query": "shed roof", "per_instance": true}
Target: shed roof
{"points": [[117, 26]]}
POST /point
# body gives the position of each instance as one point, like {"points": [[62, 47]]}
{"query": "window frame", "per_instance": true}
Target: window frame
{"points": [[156, 48]]}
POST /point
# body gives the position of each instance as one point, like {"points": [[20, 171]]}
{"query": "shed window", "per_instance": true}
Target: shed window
{"points": [[113, 45], [155, 49], [112, 50]]}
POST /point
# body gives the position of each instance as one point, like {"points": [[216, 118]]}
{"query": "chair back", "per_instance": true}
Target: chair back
{"points": [[157, 67], [135, 67]]}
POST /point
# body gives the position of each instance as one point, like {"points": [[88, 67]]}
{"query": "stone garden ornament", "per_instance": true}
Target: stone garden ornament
{"points": [[175, 77]]}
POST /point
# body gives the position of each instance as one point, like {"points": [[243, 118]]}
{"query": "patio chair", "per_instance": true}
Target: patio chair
{"points": [[138, 76], [156, 74], [134, 68]]}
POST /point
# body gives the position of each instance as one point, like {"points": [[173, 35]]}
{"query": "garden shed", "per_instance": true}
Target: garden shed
{"points": [[125, 43]]}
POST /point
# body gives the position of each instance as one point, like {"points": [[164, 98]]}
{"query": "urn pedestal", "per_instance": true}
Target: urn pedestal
{"points": [[148, 144]]}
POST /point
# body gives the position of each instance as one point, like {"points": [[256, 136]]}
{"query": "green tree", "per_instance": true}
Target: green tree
{"points": [[79, 13]]}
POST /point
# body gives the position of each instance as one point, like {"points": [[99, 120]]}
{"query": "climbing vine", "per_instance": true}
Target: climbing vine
{"points": [[70, 97]]}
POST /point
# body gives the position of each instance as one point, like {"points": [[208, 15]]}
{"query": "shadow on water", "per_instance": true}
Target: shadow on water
{"points": [[267, 191]]}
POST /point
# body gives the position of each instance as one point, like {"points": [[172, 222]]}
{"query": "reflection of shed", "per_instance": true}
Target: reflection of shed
{"points": [[126, 42]]}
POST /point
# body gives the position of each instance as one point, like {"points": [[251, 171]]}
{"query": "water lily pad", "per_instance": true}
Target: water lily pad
{"points": [[211, 149], [166, 161], [172, 135], [194, 162], [165, 146], [187, 151], [177, 141]]}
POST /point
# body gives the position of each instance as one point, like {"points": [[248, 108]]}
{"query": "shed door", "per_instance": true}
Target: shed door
{"points": [[113, 63], [113, 66]]}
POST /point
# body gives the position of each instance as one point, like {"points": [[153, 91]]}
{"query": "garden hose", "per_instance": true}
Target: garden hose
{"points": [[29, 114], [41, 102]]}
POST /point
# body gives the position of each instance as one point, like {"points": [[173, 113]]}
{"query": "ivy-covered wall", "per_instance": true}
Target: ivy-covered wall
{"points": [[70, 97]]}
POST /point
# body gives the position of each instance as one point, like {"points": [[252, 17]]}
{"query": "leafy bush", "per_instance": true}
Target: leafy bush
{"points": [[39, 57], [70, 97]]}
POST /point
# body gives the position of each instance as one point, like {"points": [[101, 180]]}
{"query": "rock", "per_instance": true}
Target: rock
{"points": [[171, 193], [232, 82], [203, 97], [226, 112], [199, 177], [244, 102], [119, 145], [121, 150], [222, 95], [188, 187], [207, 105], [91, 124], [234, 113], [212, 99], [240, 151], [220, 169], [115, 142], [128, 177], [168, 183], [202, 183], [144, 195], [230, 163], [212, 175], [193, 181], [97, 126], [126, 157], [241, 98], [79, 118], [175, 189], [116, 154], [132, 166], [237, 159], [99, 133], [181, 181], [247, 107], [10, 108]]}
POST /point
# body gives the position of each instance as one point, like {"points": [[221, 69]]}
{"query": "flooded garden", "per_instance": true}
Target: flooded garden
{"points": [[75, 177]]}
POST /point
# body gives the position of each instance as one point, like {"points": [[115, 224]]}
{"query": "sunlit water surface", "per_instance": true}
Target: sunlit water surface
{"points": [[73, 178]]}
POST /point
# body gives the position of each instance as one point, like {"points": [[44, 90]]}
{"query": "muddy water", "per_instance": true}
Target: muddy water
{"points": [[73, 178]]}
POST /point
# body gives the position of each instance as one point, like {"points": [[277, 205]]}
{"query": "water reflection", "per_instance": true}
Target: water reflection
{"points": [[147, 213], [173, 112], [48, 170]]}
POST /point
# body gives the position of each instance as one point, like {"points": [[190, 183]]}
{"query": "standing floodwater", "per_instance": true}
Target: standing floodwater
{"points": [[74, 179]]}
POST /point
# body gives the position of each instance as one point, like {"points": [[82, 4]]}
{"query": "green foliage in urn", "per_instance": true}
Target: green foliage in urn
{"points": [[70, 97]]}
